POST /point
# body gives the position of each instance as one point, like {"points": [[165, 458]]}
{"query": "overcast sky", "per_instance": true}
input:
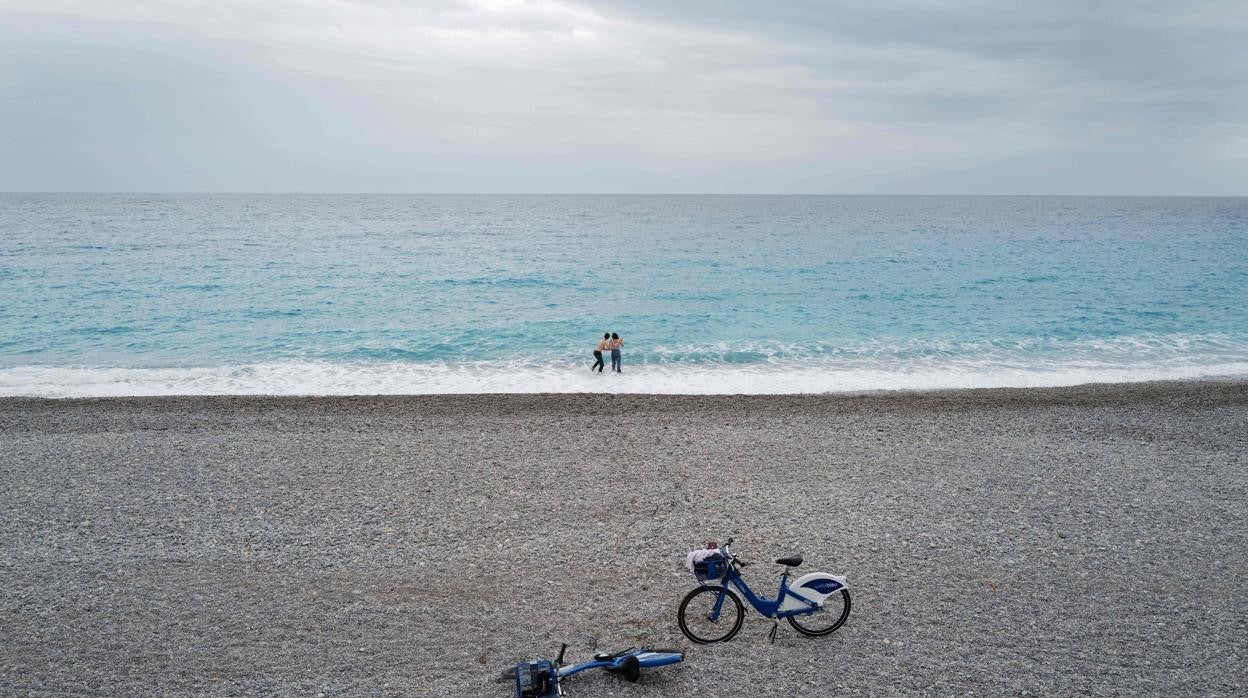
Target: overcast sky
{"points": [[876, 96]]}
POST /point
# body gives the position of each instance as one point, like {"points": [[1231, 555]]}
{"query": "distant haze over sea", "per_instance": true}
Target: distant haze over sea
{"points": [[135, 294]]}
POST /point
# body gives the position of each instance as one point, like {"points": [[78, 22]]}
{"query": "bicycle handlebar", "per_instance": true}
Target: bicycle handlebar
{"points": [[734, 558], [724, 547]]}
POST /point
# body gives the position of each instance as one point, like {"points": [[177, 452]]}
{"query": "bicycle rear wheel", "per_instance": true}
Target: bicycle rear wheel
{"points": [[710, 614], [827, 619]]}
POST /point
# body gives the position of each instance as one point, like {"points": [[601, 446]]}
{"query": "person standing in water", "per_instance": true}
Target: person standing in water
{"points": [[602, 346], [615, 345]]}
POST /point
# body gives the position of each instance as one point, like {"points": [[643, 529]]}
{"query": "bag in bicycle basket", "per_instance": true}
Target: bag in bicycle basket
{"points": [[537, 679], [710, 568]]}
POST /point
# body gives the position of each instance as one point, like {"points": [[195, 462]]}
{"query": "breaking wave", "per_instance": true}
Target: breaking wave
{"points": [[758, 370]]}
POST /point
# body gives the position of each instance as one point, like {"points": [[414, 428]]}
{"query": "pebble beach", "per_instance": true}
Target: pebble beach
{"points": [[1067, 541]]}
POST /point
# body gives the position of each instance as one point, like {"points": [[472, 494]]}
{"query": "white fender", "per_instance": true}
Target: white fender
{"points": [[815, 586]]}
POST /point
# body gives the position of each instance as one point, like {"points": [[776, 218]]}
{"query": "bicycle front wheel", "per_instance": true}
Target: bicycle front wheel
{"points": [[710, 614], [827, 619]]}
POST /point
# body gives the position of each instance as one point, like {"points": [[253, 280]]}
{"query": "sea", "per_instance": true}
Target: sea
{"points": [[194, 294]]}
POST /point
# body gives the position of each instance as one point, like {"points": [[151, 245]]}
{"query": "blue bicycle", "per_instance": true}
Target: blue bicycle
{"points": [[815, 604], [540, 678]]}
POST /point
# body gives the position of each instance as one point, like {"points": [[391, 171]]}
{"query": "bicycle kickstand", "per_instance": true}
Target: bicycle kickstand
{"points": [[775, 627]]}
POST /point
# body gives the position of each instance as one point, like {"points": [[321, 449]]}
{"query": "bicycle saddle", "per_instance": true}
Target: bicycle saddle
{"points": [[790, 561]]}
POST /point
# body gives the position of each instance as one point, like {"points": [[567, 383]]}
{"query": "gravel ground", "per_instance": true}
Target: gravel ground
{"points": [[1083, 540]]}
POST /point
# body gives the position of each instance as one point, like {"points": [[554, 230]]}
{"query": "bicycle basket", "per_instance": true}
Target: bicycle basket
{"points": [[538, 679], [711, 569]]}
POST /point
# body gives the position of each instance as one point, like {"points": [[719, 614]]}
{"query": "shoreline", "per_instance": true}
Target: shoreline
{"points": [[1082, 540], [1082, 393], [322, 378]]}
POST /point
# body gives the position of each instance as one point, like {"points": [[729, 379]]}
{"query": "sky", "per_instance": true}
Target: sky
{"points": [[614, 96]]}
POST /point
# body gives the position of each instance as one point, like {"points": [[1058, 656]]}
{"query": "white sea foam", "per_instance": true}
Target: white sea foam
{"points": [[322, 378]]}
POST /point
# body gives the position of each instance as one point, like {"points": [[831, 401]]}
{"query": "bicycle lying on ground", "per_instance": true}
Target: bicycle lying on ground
{"points": [[815, 604], [540, 678]]}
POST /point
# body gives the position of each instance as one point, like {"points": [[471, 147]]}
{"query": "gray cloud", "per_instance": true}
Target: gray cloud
{"points": [[1116, 97]]}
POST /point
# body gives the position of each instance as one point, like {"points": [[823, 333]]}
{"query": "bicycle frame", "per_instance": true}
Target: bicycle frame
{"points": [[645, 658], [804, 597], [542, 677], [769, 608]]}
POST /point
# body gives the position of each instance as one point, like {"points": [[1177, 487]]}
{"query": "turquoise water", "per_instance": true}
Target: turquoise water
{"points": [[312, 294]]}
